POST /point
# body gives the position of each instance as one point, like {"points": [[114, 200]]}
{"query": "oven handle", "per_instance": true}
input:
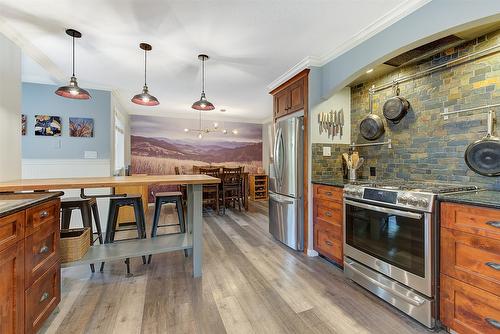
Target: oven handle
{"points": [[384, 210]]}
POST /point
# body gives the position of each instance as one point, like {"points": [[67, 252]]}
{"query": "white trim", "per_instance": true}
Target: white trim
{"points": [[94, 162], [307, 62], [312, 253], [372, 29]]}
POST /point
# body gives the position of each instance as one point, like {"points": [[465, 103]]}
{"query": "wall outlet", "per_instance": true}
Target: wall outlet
{"points": [[90, 154], [327, 151]]}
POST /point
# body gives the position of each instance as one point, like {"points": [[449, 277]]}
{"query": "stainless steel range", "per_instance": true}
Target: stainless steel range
{"points": [[390, 241]]}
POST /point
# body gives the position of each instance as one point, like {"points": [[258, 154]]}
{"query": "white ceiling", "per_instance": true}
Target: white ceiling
{"points": [[250, 43]]}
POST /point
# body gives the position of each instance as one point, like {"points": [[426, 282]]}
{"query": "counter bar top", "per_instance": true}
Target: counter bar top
{"points": [[103, 182]]}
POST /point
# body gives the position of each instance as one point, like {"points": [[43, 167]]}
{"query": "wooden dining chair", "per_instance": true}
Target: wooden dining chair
{"points": [[232, 186], [211, 191]]}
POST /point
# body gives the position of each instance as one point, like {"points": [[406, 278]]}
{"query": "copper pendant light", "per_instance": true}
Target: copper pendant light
{"points": [[72, 91], [144, 98], [203, 104]]}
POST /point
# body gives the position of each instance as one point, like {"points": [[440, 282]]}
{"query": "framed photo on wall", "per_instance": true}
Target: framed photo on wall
{"points": [[81, 127], [47, 125]]}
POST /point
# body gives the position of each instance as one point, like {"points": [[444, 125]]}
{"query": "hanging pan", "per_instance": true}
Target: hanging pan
{"points": [[483, 156], [371, 127], [396, 107]]}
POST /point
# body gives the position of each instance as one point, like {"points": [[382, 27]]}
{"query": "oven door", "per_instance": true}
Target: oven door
{"points": [[393, 242]]}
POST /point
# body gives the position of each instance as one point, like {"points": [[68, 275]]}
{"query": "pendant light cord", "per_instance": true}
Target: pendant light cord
{"points": [[73, 55], [145, 61], [203, 75]]}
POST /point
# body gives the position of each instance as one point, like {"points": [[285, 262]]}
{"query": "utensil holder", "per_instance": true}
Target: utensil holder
{"points": [[352, 174]]}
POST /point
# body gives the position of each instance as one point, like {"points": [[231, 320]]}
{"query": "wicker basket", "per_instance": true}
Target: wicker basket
{"points": [[74, 243]]}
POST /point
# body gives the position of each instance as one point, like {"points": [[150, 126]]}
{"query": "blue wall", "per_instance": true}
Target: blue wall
{"points": [[38, 99]]}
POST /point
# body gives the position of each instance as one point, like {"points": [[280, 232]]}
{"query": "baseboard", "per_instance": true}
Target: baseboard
{"points": [[312, 253]]}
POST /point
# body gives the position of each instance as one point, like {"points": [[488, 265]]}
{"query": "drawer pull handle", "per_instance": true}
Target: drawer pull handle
{"points": [[44, 297], [44, 214], [44, 249], [328, 214], [328, 193], [494, 224], [493, 265], [328, 242], [493, 322]]}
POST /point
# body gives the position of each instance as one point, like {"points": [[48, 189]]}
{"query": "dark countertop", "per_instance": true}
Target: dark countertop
{"points": [[488, 198], [12, 202], [336, 182], [330, 181]]}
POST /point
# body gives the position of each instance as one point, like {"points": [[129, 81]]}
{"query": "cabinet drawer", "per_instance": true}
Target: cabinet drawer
{"points": [[41, 251], [328, 240], [11, 229], [467, 309], [328, 193], [471, 258], [41, 214], [471, 219], [42, 297], [328, 211]]}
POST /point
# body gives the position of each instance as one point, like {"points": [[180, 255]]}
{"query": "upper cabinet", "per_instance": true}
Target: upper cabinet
{"points": [[291, 96]]}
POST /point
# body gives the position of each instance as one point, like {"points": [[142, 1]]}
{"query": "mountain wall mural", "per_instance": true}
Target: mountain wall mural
{"points": [[159, 144]]}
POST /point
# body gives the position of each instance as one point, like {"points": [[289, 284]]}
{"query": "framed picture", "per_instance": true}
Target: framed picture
{"points": [[81, 127], [47, 125], [23, 125]]}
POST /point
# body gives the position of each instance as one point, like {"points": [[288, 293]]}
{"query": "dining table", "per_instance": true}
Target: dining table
{"points": [[192, 240]]}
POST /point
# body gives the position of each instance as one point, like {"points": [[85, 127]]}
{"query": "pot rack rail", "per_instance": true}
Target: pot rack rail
{"points": [[388, 143], [446, 113], [475, 55]]}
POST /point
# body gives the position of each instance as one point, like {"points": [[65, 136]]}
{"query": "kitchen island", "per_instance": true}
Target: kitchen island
{"points": [[97, 253]]}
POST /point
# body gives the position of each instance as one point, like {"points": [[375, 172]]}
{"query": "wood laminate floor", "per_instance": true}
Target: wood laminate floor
{"points": [[250, 284]]}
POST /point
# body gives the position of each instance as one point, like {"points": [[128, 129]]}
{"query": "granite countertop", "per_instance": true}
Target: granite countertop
{"points": [[488, 198], [330, 181], [336, 182], [12, 202]]}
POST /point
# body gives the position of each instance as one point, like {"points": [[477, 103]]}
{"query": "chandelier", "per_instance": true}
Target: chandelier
{"points": [[215, 128]]}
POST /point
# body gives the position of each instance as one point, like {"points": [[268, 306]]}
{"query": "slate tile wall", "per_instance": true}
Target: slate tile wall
{"points": [[426, 146]]}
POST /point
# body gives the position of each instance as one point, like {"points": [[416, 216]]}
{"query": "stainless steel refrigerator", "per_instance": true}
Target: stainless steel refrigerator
{"points": [[286, 181]]}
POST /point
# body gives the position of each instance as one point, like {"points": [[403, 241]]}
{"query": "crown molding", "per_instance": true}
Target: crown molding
{"points": [[369, 31], [307, 62]]}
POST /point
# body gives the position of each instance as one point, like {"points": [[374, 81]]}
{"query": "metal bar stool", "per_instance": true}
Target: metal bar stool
{"points": [[87, 207], [139, 224], [164, 198]]}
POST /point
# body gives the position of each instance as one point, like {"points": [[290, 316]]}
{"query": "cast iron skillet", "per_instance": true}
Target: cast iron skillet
{"points": [[483, 156], [371, 127], [396, 108]]}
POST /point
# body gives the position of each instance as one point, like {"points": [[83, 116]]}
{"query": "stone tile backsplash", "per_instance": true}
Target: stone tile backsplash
{"points": [[425, 145]]}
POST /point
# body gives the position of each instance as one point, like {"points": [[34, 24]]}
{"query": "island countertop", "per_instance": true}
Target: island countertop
{"points": [[103, 182], [10, 203]]}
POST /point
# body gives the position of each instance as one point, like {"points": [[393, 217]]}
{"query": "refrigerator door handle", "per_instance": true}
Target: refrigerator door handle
{"points": [[277, 160], [279, 199], [282, 158]]}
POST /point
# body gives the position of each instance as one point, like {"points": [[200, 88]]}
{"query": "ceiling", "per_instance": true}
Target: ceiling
{"points": [[250, 43]]}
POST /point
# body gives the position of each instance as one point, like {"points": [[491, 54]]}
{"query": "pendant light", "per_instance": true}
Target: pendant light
{"points": [[144, 98], [203, 103], [72, 91]]}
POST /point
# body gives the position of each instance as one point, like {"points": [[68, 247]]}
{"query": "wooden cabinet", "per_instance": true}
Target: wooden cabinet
{"points": [[291, 96], [12, 289], [328, 217], [470, 268], [258, 187], [29, 267]]}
